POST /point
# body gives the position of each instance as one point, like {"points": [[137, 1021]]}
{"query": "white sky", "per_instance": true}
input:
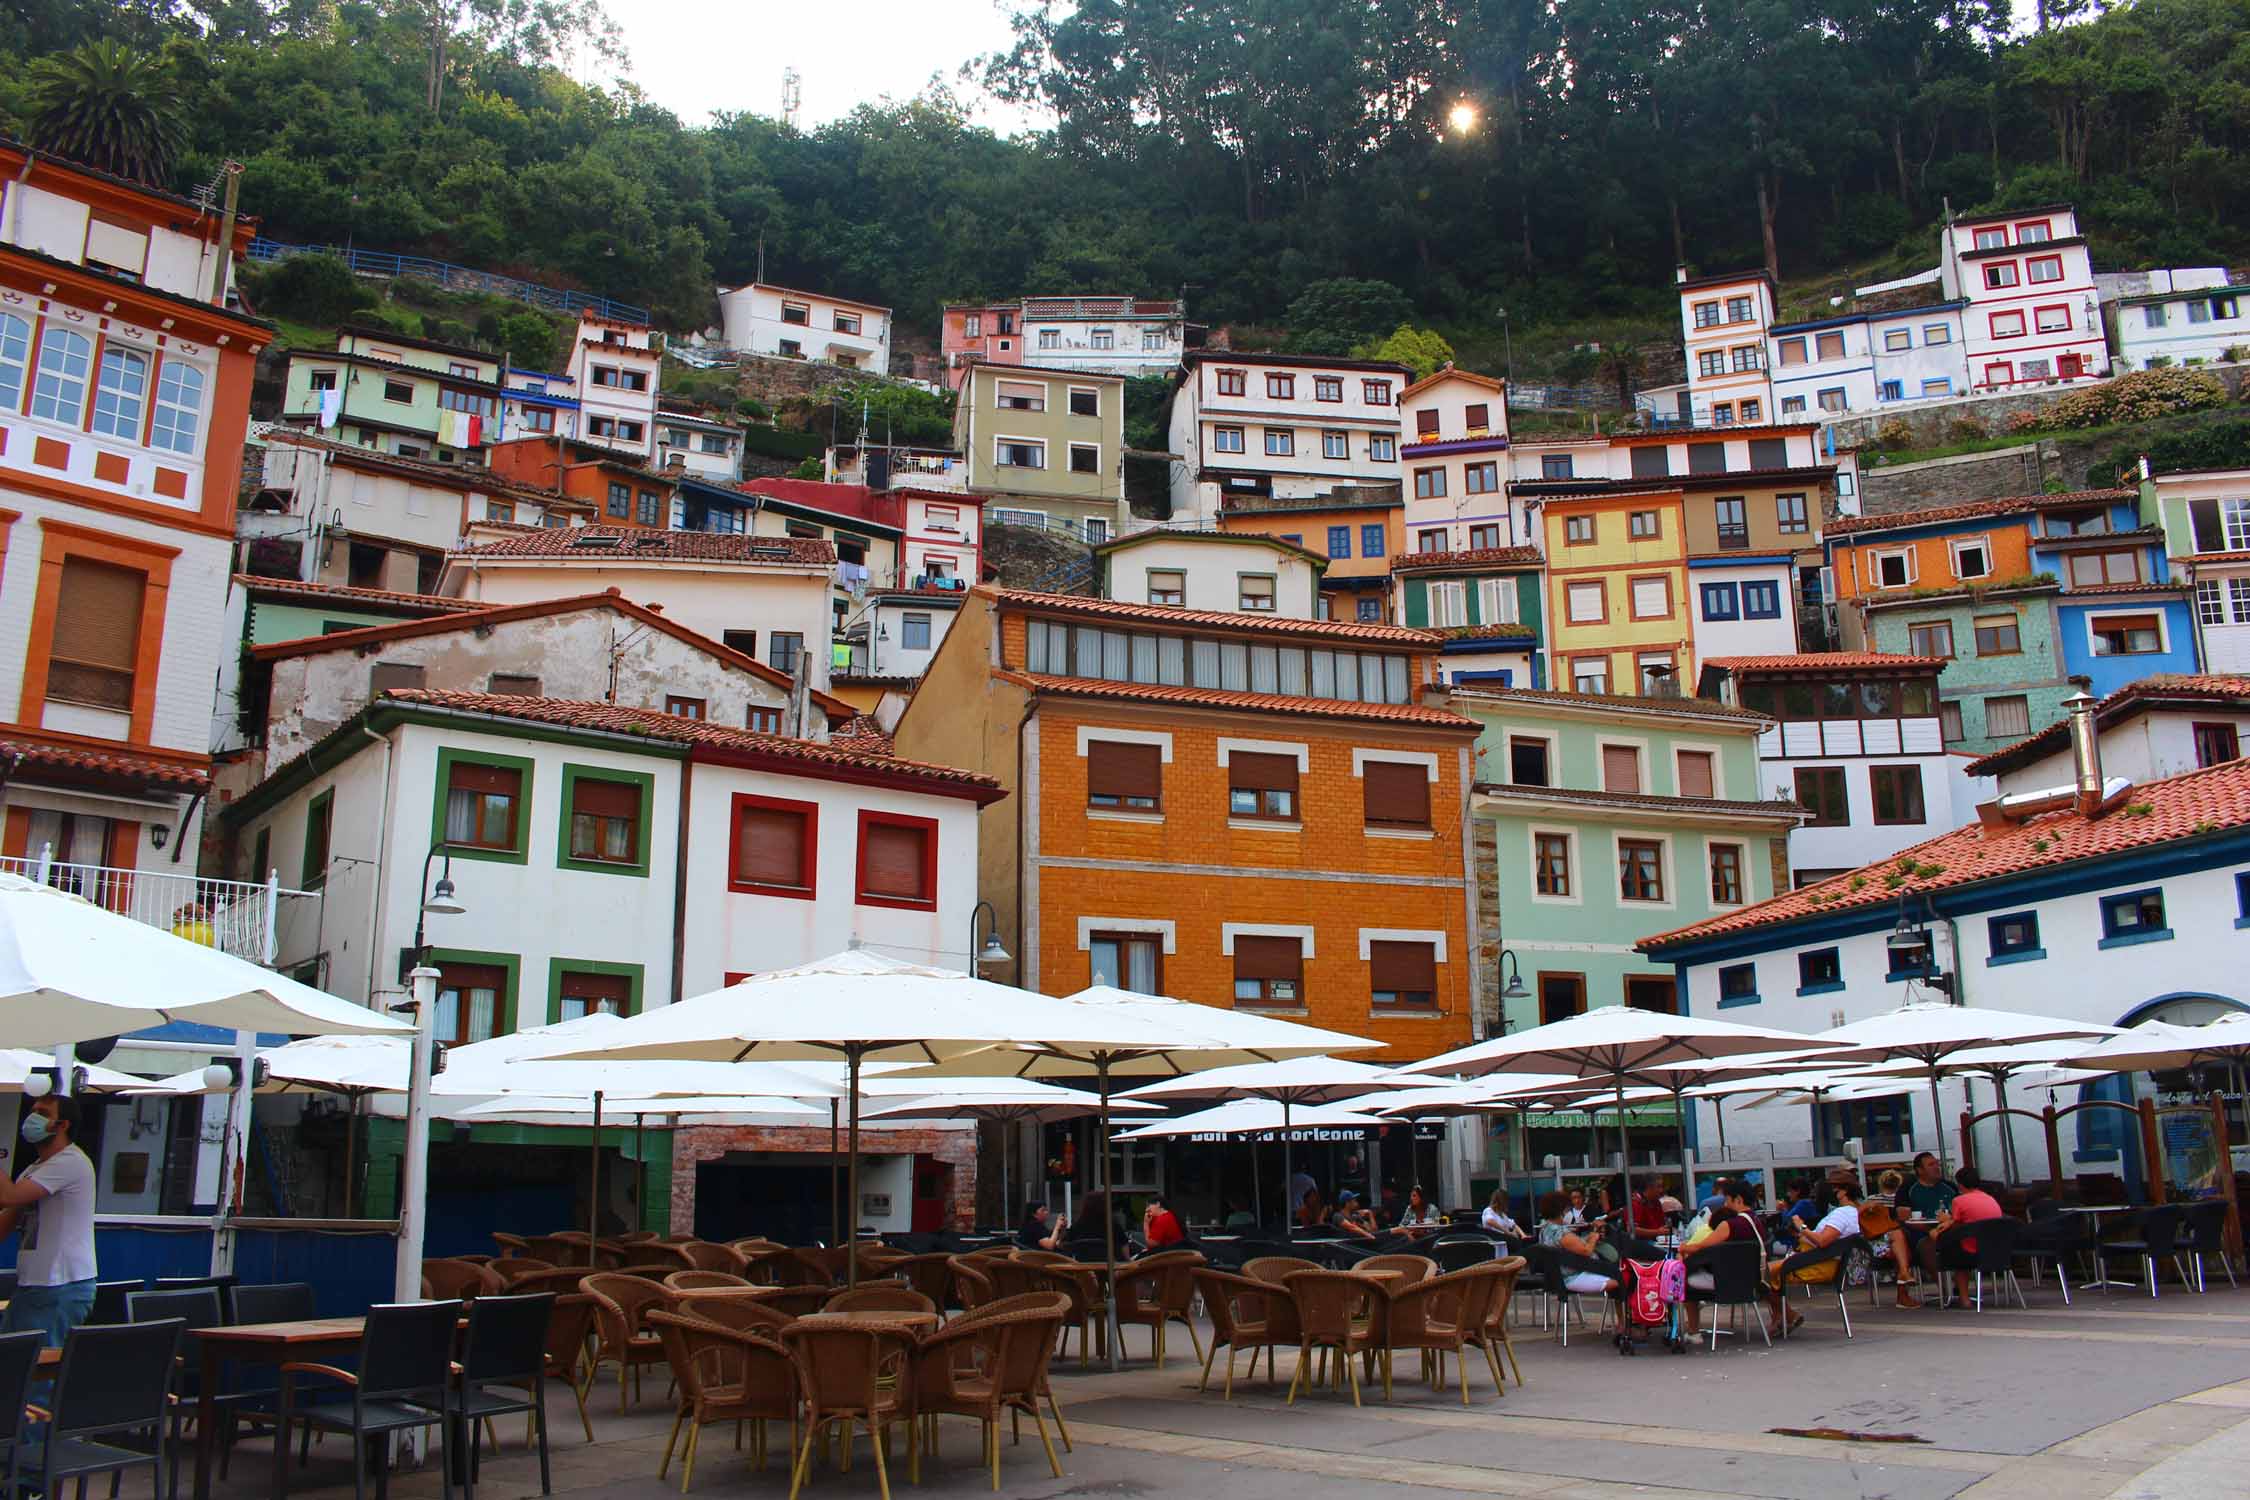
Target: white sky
{"points": [[698, 56]]}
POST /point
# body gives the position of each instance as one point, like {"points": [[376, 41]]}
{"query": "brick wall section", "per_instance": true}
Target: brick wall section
{"points": [[1484, 867], [700, 1143]]}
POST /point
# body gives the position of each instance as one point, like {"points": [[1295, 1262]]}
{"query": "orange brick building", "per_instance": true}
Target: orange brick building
{"points": [[1231, 809]]}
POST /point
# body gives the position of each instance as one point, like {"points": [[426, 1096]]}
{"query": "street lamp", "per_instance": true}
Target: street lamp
{"points": [[414, 1158], [1912, 950], [443, 901], [991, 952], [1512, 988]]}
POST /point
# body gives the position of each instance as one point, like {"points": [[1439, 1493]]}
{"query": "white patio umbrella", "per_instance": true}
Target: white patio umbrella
{"points": [[71, 971], [1619, 1043], [1006, 1102], [2164, 1046], [1997, 1064], [1256, 1117], [23, 1071]]}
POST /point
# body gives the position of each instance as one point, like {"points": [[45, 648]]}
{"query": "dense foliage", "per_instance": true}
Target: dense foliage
{"points": [[1243, 150]]}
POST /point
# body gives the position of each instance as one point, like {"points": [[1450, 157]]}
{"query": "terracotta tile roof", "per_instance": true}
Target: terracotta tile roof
{"points": [[1701, 806], [646, 544], [1624, 703], [1208, 619], [344, 593], [1476, 557], [1823, 661], [2004, 505], [818, 494], [1447, 372], [2159, 690], [91, 762], [2211, 557], [654, 724], [1183, 534], [2193, 805], [863, 735], [2122, 588], [1272, 703]]}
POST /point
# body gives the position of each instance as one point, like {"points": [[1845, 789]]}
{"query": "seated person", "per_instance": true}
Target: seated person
{"points": [[1926, 1197], [1948, 1245], [1312, 1210], [1839, 1223], [1648, 1218], [1352, 1216], [1880, 1218], [1800, 1201], [1238, 1217], [1420, 1216], [1497, 1218], [1557, 1235], [1576, 1213], [1732, 1223], [1160, 1226], [1042, 1229]]}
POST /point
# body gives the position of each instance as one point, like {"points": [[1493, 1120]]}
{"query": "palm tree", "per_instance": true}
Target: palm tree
{"points": [[109, 107]]}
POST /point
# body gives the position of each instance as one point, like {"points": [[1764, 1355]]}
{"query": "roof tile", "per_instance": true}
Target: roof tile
{"points": [[2156, 690], [1823, 661], [1209, 619], [645, 544], [1475, 557], [2003, 505], [154, 771], [1694, 707], [1220, 698], [344, 593]]}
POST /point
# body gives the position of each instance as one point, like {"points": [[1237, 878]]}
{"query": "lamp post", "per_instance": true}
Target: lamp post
{"points": [[992, 953], [1512, 988], [413, 1186]]}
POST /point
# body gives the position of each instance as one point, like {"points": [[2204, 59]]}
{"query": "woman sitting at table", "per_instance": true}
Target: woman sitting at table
{"points": [[1733, 1222], [1839, 1223], [1312, 1210], [1497, 1218], [1556, 1235], [1420, 1216], [1883, 1217]]}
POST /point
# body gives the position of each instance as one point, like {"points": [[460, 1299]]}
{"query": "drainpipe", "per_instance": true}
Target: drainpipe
{"points": [[382, 864], [15, 196], [679, 881], [1023, 939]]}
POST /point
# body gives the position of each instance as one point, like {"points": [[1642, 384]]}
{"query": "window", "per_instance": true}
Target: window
{"points": [[1820, 791], [1896, 339], [1232, 382], [1621, 769], [1972, 560], [1550, 854], [1371, 542], [2041, 269], [1375, 392], [1382, 448], [94, 657], [1789, 513], [179, 403], [1897, 792], [1930, 638], [620, 501], [2002, 274], [1820, 971], [1792, 404], [1748, 357], [1706, 314], [1103, 338], [58, 391], [1124, 776], [1949, 722], [1561, 996], [1269, 971], [399, 391], [2127, 635], [1262, 787], [1998, 635], [1339, 541], [2051, 319], [1894, 570], [1554, 466], [1738, 309], [783, 649], [1652, 598], [1085, 458], [1640, 870], [1738, 985], [120, 392], [1732, 517], [795, 348], [685, 708], [972, 326], [1828, 346], [1254, 593], [2089, 568], [2007, 716], [1126, 961], [650, 509], [1722, 412], [897, 861], [1165, 586], [1050, 338], [320, 817], [1578, 531], [1711, 362], [1793, 350], [1527, 761], [1008, 454], [1226, 440], [1938, 386], [605, 817], [1721, 601], [2216, 744], [1335, 444], [2007, 325], [1589, 674], [1397, 794], [1281, 387], [1281, 442], [471, 999], [1696, 773], [483, 804], [1429, 484], [580, 993], [1477, 417], [1891, 390], [1643, 524], [1833, 399], [2134, 917], [1403, 975], [1368, 611], [1084, 402], [1449, 603], [1020, 395], [512, 684], [1588, 602], [387, 675], [1999, 372], [1327, 388], [798, 313], [1481, 479], [2014, 936], [774, 850], [1434, 540]]}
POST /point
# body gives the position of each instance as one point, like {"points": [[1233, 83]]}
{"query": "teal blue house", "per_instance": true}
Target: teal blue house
{"points": [[1485, 604]]}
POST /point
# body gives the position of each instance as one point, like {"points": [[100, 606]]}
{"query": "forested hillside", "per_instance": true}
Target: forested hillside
{"points": [[1238, 148]]}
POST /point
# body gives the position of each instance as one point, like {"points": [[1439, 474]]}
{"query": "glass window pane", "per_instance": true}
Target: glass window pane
{"points": [[1035, 647], [1394, 679], [1086, 651], [1323, 674], [1144, 658], [1114, 666], [1293, 671], [1171, 660], [1265, 670], [460, 817], [484, 1005], [1879, 700], [1347, 676], [1206, 664], [1371, 678], [1234, 666]]}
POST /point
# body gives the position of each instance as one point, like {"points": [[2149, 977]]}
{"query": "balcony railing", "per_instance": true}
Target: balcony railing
{"points": [[1733, 538], [237, 917]]}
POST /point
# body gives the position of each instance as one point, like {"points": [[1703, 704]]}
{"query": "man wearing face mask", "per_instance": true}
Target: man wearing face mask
{"points": [[53, 1204]]}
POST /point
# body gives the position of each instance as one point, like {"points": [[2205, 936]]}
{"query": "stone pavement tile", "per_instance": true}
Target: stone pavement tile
{"points": [[2149, 1436], [2218, 1465]]}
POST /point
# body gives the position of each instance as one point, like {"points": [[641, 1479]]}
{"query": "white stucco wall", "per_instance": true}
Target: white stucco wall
{"points": [[1213, 574], [2145, 747]]}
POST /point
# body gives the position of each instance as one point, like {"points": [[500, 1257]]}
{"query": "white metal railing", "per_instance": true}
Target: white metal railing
{"points": [[237, 917]]}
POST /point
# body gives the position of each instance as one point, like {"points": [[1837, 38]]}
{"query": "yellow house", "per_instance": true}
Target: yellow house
{"points": [[1617, 591]]}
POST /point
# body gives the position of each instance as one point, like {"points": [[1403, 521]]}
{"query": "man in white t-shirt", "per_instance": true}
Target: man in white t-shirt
{"points": [[52, 1203]]}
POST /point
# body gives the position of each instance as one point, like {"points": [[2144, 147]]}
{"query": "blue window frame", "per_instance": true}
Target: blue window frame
{"points": [[1761, 601], [2134, 917], [2014, 937], [1820, 971], [1721, 601], [1894, 390], [2242, 900], [1339, 541], [1738, 985], [1294, 538], [1371, 541]]}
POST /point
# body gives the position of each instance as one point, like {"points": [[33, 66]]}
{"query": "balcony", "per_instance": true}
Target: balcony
{"points": [[237, 917], [1733, 537]]}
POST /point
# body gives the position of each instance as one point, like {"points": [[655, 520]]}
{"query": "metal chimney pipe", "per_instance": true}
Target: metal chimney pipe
{"points": [[2085, 752]]}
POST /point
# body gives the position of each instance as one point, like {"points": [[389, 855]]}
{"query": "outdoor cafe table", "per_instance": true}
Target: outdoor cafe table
{"points": [[877, 1316], [275, 1344]]}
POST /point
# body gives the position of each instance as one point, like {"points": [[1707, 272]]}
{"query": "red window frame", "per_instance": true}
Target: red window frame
{"points": [[929, 826], [2043, 260], [2015, 275], [1232, 382], [1993, 322], [2039, 312], [2007, 375], [809, 862], [2033, 224]]}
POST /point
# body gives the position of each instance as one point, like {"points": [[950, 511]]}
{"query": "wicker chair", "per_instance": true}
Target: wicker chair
{"points": [[879, 1299], [930, 1274], [1082, 1284], [957, 1373], [972, 1288], [755, 1313], [852, 1372], [830, 1260], [621, 1307], [705, 1256], [657, 1253], [509, 1267], [702, 1281], [567, 1332], [459, 1280], [1335, 1310], [724, 1375], [1053, 1303], [1442, 1315], [1156, 1290], [1494, 1336], [1276, 1268], [798, 1301], [1410, 1268], [1241, 1310], [1038, 1257], [562, 1282], [509, 1244]]}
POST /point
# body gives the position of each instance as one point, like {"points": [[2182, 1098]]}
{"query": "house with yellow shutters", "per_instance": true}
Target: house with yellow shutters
{"points": [[1617, 591]]}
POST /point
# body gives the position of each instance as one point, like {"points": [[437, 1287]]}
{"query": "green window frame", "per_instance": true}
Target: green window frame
{"points": [[510, 964], [448, 758], [635, 976], [312, 870], [572, 774]]}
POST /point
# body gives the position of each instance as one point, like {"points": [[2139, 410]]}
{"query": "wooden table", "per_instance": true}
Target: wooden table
{"points": [[315, 1339]]}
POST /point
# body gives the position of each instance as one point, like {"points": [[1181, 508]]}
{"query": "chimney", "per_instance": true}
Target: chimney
{"points": [[1679, 273], [2085, 753]]}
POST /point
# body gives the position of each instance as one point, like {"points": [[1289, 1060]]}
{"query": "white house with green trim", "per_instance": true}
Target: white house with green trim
{"points": [[1485, 603]]}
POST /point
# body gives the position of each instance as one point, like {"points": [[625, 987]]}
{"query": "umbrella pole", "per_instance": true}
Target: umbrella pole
{"points": [[851, 1191], [1288, 1175], [1624, 1150], [1719, 1116], [640, 1174], [594, 1190], [1688, 1194], [2007, 1131], [1002, 1122], [835, 1198], [1937, 1119], [1109, 1226], [351, 1150], [1257, 1190]]}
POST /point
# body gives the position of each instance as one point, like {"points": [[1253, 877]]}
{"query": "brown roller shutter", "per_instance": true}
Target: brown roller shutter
{"points": [[769, 848], [1695, 773], [1269, 958], [393, 674], [1621, 769], [1404, 969], [97, 634], [1398, 794], [1261, 773], [468, 776], [892, 862], [606, 799], [1117, 769]]}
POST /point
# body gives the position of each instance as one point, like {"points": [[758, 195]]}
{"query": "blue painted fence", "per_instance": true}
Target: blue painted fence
{"points": [[349, 1269]]}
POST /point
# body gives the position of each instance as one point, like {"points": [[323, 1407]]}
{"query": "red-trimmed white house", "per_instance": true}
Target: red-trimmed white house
{"points": [[2034, 314]]}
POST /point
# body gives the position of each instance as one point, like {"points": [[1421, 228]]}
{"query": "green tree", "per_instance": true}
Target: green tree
{"points": [[1421, 350], [110, 107], [1336, 316]]}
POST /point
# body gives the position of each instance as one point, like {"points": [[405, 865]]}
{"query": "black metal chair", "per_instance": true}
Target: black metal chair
{"points": [[7, 1285], [2207, 1235], [115, 1381], [1738, 1280], [109, 1301], [271, 1302], [195, 1307], [19, 1357], [1997, 1241], [1842, 1253], [404, 1382], [2053, 1238], [1556, 1267], [2159, 1240], [1456, 1254], [506, 1347]]}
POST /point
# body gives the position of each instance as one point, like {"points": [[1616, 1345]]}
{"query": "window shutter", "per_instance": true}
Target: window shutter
{"points": [[515, 684], [769, 847], [1621, 769], [1695, 773], [467, 776], [1426, 424], [393, 674], [1401, 967], [1269, 958], [892, 862], [1651, 598], [1117, 769], [97, 633], [606, 799], [1247, 772], [598, 991], [1397, 793]]}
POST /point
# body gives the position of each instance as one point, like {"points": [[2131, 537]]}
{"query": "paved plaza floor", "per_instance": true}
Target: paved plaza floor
{"points": [[2118, 1396]]}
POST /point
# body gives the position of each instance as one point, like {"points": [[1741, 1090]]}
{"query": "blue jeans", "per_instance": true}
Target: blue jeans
{"points": [[52, 1310]]}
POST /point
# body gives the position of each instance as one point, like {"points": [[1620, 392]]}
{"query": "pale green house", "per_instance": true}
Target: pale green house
{"points": [[1046, 448], [413, 397]]}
